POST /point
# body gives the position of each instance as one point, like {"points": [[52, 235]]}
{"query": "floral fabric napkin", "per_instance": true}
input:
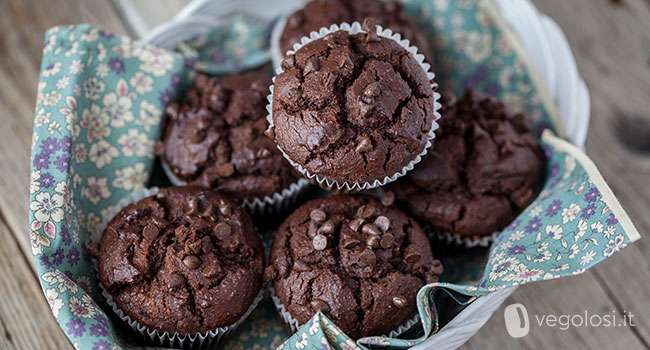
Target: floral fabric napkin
{"points": [[100, 103]]}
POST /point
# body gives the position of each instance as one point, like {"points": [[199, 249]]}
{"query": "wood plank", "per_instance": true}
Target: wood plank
{"points": [[22, 28], [25, 318]]}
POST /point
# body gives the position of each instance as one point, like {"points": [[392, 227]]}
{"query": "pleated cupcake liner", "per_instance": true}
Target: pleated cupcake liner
{"points": [[267, 205], [332, 184], [452, 240]]}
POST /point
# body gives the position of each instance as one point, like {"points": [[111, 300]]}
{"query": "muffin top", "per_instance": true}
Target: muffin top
{"points": [[358, 260], [215, 138], [352, 108], [482, 170], [186, 260], [317, 14]]}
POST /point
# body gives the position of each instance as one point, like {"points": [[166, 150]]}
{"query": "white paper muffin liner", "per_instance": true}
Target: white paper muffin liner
{"points": [[355, 28], [295, 325], [206, 339], [267, 205], [458, 241]]}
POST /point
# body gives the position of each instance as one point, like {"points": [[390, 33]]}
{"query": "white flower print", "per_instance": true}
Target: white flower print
{"points": [[573, 251], [542, 246], [58, 279], [38, 242], [611, 230], [72, 49], [80, 153], [117, 109], [102, 70], [79, 308], [63, 82], [90, 36], [52, 70], [543, 256], [54, 301], [478, 46], [51, 98], [41, 118], [535, 211], [156, 61], [96, 123], [569, 214], [588, 257], [54, 127], [149, 116], [517, 235], [131, 177], [582, 229], [76, 67], [93, 88], [101, 52], [597, 227], [97, 189], [137, 144], [504, 266], [47, 207], [614, 245], [554, 231], [524, 275], [50, 44], [102, 153], [34, 183], [142, 83], [514, 101], [562, 267], [129, 48]]}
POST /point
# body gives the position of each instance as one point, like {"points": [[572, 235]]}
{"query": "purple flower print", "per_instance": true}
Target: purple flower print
{"points": [[65, 143], [555, 169], [47, 180], [612, 220], [73, 256], [189, 63], [176, 78], [533, 225], [62, 163], [65, 235], [57, 257], [50, 145], [592, 194], [101, 345], [41, 161], [518, 249], [45, 261], [548, 151], [98, 330], [588, 211], [219, 57], [513, 225], [76, 327], [100, 320], [553, 208], [105, 34], [117, 65], [165, 97]]}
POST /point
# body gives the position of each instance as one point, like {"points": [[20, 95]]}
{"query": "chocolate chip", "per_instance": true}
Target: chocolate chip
{"points": [[150, 232], [412, 256], [319, 305], [355, 224], [366, 211], [270, 133], [368, 257], [192, 262], [345, 61], [317, 215], [319, 242], [364, 145], [301, 266], [198, 136], [211, 270], [288, 62], [313, 229], [327, 228], [311, 65], [159, 222], [206, 245], [226, 169], [365, 109], [177, 280], [224, 208], [388, 199], [370, 229], [263, 153], [222, 230], [399, 301], [217, 98], [372, 242], [270, 274], [387, 241], [193, 247], [371, 91], [369, 26], [192, 206], [350, 242], [382, 223]]}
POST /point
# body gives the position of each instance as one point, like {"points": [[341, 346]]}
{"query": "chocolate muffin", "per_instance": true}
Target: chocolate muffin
{"points": [[358, 260], [352, 108], [214, 138], [186, 260], [481, 172], [317, 14]]}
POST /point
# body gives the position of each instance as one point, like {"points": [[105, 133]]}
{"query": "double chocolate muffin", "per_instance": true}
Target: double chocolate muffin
{"points": [[317, 14], [186, 260], [352, 108], [359, 260], [214, 137], [481, 172]]}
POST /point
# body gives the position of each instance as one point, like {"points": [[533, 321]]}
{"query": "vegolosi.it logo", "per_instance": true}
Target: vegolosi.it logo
{"points": [[518, 322]]}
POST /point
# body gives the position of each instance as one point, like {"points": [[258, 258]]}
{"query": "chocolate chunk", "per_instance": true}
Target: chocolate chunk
{"points": [[319, 242], [224, 208], [388, 198], [222, 230], [387, 241], [263, 153], [176, 281], [365, 109], [372, 242], [192, 262], [356, 223], [211, 270], [198, 136], [311, 66], [193, 247], [317, 215], [226, 169], [412, 256], [370, 229], [382, 223], [366, 211], [192, 206], [301, 266], [150, 232], [350, 242], [319, 305], [327, 228], [206, 245], [288, 62], [368, 257], [364, 145], [399, 301], [369, 26]]}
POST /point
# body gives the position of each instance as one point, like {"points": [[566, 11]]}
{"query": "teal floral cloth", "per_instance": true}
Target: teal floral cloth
{"points": [[99, 108]]}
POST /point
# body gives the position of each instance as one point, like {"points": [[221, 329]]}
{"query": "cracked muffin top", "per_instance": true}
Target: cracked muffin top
{"points": [[317, 14], [352, 108], [186, 260], [214, 137], [359, 260], [483, 169]]}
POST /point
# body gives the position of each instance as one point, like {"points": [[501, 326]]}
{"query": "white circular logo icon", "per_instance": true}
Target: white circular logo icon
{"points": [[516, 318]]}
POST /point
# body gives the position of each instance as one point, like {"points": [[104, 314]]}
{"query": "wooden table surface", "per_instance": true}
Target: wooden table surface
{"points": [[611, 42]]}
